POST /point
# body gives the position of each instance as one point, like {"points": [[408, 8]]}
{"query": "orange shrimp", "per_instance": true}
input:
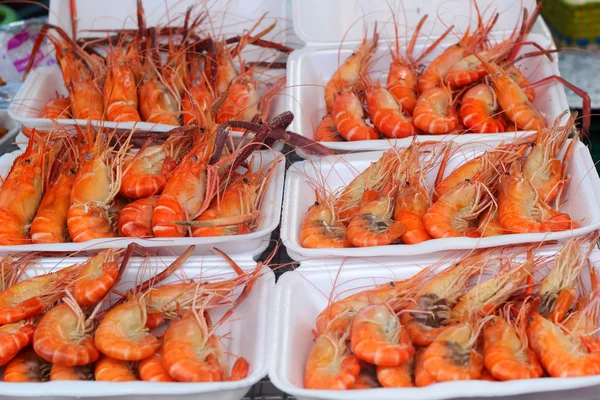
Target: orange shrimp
{"points": [[367, 379], [62, 338], [513, 100], [322, 227], [387, 114], [237, 209], [398, 376], [430, 313], [367, 185], [349, 118], [453, 354], [226, 71], [50, 222], [148, 170], [506, 352], [187, 193], [562, 354], [135, 219], [373, 225], [30, 297], [96, 184], [377, 337], [57, 108], [557, 290], [239, 370], [62, 373], [479, 110], [517, 76], [21, 193], [348, 76], [112, 370], [330, 365], [14, 338], [488, 224], [435, 112], [422, 377], [27, 367], [197, 98], [242, 100], [96, 277], [120, 88], [520, 210], [152, 369], [327, 131], [541, 167]]}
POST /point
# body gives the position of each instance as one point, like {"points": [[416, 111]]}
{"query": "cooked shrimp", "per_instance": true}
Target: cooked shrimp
{"points": [[348, 75], [327, 131], [349, 117], [27, 367], [435, 111], [488, 224], [96, 277], [242, 100], [430, 313], [120, 88], [152, 369], [479, 110], [367, 379], [14, 338], [113, 370], [57, 108], [135, 219], [62, 373], [387, 114], [377, 337], [322, 227], [399, 376]]}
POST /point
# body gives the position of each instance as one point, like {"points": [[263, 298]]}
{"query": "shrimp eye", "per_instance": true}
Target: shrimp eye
{"points": [[245, 180], [201, 130], [407, 183], [88, 156], [530, 320], [316, 203], [27, 161], [195, 158], [467, 180], [72, 170], [392, 284]]}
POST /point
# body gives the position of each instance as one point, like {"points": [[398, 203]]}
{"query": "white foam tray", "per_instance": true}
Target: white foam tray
{"points": [[328, 45], [230, 18], [302, 294], [248, 328], [254, 243], [582, 196]]}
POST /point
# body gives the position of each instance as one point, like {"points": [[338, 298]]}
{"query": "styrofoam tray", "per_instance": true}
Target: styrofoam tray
{"points": [[255, 242], [302, 294], [582, 198], [230, 18], [247, 327]]}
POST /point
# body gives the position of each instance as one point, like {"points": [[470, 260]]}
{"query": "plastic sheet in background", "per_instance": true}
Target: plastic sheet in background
{"points": [[16, 44]]}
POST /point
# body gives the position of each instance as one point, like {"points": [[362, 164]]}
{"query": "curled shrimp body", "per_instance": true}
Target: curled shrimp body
{"points": [[242, 100], [453, 355], [520, 210], [387, 114], [330, 365], [190, 352], [374, 226], [479, 110], [96, 277], [456, 211], [111, 370], [513, 100], [562, 354], [30, 297], [195, 103], [21, 194], [430, 313], [158, 103], [135, 219], [506, 352], [152, 369], [489, 225], [60, 337], [435, 112], [50, 222], [398, 376], [62, 373], [122, 333], [327, 131], [120, 89], [377, 337], [348, 75], [412, 201], [349, 118], [57, 108], [27, 367], [14, 338]]}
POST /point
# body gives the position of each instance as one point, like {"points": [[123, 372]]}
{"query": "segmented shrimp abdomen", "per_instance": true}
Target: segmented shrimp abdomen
{"points": [[152, 369], [12, 229], [56, 108], [14, 338], [326, 131], [398, 376], [89, 221], [26, 367], [135, 219], [89, 290], [167, 210], [62, 373], [110, 370], [324, 371]]}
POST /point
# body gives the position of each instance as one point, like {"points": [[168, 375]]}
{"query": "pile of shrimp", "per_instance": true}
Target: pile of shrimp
{"points": [[513, 188], [56, 326], [97, 184], [169, 75], [473, 86], [532, 317]]}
